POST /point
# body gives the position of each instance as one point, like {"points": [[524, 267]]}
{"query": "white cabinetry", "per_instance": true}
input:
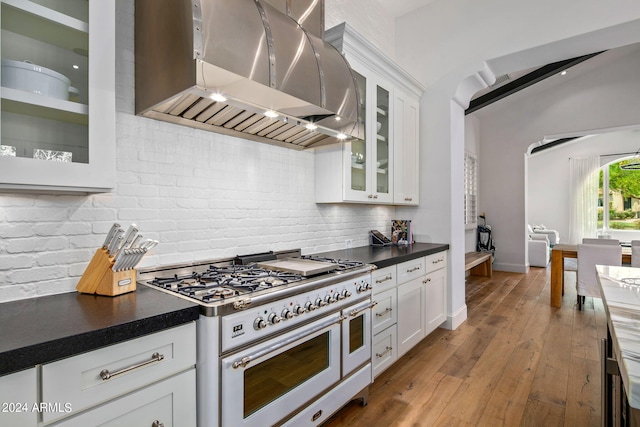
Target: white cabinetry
{"points": [[143, 381], [384, 318], [411, 303], [52, 143], [365, 171], [406, 149], [18, 395], [435, 291]]}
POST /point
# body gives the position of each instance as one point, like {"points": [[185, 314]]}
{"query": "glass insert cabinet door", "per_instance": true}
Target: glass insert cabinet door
{"points": [[369, 172], [382, 141], [359, 175]]}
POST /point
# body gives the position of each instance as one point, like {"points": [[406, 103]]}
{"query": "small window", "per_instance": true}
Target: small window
{"points": [[470, 190]]}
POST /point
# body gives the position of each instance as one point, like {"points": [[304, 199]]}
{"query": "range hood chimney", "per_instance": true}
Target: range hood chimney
{"points": [[258, 69]]}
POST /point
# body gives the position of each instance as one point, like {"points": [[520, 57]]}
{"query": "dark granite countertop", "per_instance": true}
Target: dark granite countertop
{"points": [[386, 256], [44, 329]]}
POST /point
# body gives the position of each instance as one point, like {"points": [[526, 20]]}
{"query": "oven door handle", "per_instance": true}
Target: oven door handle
{"points": [[354, 313], [242, 363]]}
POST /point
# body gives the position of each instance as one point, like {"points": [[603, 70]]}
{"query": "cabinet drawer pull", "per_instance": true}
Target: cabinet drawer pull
{"points": [[408, 199], [384, 279], [386, 350], [157, 423], [411, 270], [384, 313], [370, 196], [106, 375], [426, 280], [437, 261]]}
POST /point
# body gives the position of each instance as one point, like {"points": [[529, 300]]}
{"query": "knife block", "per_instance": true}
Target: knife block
{"points": [[98, 278]]}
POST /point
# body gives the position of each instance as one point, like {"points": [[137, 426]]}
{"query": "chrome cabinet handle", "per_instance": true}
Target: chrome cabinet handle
{"points": [[354, 313], [375, 196], [437, 261], [384, 313], [408, 199], [384, 279], [157, 423], [370, 196], [413, 269], [386, 350], [426, 281], [106, 375]]}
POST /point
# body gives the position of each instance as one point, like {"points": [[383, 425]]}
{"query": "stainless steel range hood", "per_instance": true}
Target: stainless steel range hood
{"points": [[258, 69]]}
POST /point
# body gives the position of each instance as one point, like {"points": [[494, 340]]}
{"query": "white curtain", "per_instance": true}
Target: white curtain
{"points": [[583, 194]]}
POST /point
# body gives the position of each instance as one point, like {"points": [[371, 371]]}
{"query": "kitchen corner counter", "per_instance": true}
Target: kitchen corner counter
{"points": [[385, 256], [44, 329], [621, 297]]}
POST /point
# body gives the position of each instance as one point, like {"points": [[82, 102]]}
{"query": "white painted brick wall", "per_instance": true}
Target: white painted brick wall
{"points": [[202, 195]]}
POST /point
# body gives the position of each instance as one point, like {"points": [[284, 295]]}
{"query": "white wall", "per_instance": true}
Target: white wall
{"points": [[203, 195], [367, 17], [548, 175], [456, 47]]}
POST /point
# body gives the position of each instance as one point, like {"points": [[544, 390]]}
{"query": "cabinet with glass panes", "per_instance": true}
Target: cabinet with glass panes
{"points": [[58, 95], [366, 170]]}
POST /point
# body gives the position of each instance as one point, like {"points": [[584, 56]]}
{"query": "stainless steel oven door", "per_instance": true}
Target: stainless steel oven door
{"points": [[356, 336], [264, 383]]}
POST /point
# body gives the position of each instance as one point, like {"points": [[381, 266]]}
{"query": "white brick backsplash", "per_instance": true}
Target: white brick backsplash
{"points": [[202, 195]]}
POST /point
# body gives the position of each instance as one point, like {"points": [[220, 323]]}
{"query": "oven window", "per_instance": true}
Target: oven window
{"points": [[280, 374], [356, 334]]}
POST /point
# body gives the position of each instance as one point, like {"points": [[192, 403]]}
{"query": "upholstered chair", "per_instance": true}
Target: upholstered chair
{"points": [[589, 255]]}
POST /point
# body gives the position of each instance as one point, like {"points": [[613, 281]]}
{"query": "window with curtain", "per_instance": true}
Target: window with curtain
{"points": [[583, 193], [470, 190]]}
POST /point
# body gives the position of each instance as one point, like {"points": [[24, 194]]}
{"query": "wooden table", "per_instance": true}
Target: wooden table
{"points": [[558, 254]]}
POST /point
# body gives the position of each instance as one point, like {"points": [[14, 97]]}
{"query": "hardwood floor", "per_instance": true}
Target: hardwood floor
{"points": [[516, 361]]}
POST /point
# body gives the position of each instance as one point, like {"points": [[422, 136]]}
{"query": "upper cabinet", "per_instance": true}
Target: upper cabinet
{"points": [[382, 168], [57, 111]]}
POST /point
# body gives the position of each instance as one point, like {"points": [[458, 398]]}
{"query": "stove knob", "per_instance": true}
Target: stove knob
{"points": [[309, 306], [329, 299], [361, 288], [259, 323], [273, 318], [286, 314], [298, 310], [345, 294], [321, 303]]}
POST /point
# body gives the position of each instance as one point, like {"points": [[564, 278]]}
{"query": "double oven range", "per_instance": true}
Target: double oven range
{"points": [[282, 339]]}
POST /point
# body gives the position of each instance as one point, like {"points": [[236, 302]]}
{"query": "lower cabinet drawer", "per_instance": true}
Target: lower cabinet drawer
{"points": [[19, 399], [384, 313], [169, 403], [409, 270], [435, 261], [383, 279], [385, 351], [91, 378]]}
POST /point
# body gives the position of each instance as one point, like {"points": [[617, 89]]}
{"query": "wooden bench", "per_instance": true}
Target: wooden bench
{"points": [[478, 263]]}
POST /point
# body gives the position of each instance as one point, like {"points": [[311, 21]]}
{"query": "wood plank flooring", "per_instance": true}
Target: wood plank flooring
{"points": [[516, 361]]}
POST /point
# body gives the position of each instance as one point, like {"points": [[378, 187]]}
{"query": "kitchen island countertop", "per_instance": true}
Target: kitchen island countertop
{"points": [[43, 329], [620, 288], [385, 256]]}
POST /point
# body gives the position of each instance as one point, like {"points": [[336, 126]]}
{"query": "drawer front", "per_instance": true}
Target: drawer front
{"points": [[170, 403], [435, 262], [384, 314], [383, 279], [18, 396], [385, 351], [90, 378], [410, 270]]}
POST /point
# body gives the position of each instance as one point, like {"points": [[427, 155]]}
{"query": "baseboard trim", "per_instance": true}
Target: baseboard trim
{"points": [[456, 319], [512, 268]]}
